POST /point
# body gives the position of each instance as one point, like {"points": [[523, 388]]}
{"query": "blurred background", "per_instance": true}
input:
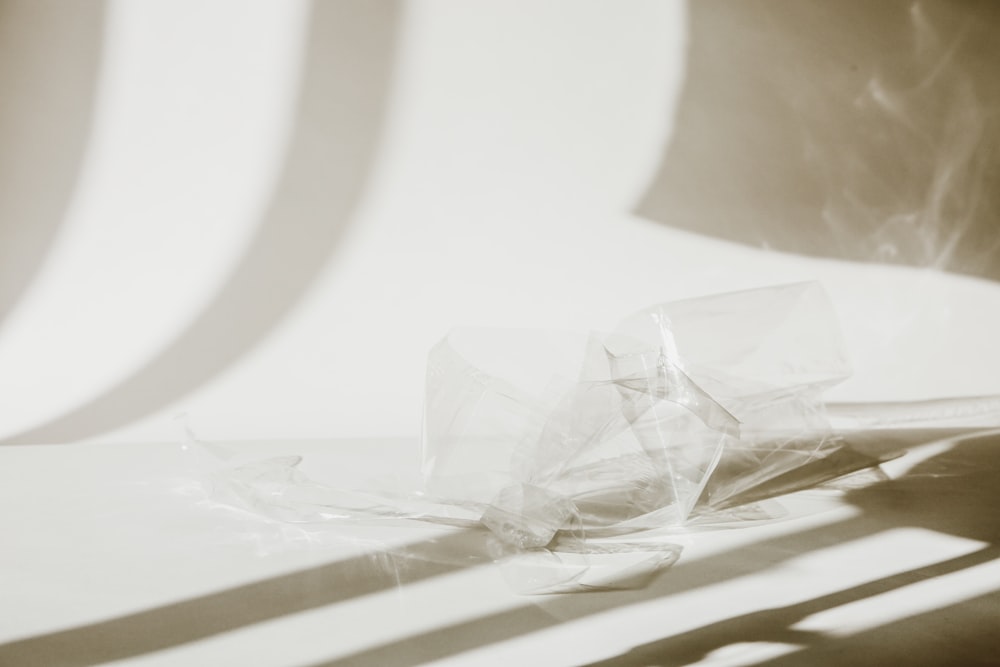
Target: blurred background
{"points": [[263, 213]]}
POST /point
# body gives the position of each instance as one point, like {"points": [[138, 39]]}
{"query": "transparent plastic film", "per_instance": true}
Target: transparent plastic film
{"points": [[629, 435], [682, 413], [578, 458], [276, 488]]}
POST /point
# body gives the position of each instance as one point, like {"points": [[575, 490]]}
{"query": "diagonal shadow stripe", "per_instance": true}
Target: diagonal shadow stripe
{"points": [[530, 618], [347, 72], [776, 625], [954, 493], [50, 54], [189, 620], [960, 634]]}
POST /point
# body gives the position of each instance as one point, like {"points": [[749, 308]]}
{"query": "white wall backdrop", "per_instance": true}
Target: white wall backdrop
{"points": [[278, 208]]}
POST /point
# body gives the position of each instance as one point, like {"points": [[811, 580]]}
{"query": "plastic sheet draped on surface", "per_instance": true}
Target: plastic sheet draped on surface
{"points": [[581, 453]]}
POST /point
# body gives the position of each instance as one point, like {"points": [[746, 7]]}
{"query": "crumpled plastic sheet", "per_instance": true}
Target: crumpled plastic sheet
{"points": [[583, 454]]}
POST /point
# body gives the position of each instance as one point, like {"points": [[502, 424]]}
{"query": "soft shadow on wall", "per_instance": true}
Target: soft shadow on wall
{"points": [[48, 92], [854, 130], [342, 101]]}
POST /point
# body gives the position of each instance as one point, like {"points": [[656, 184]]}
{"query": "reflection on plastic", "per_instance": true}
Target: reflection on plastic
{"points": [[580, 454], [621, 432]]}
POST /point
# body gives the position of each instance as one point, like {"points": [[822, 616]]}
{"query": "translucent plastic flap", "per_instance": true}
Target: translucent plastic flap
{"points": [[626, 429], [578, 455]]}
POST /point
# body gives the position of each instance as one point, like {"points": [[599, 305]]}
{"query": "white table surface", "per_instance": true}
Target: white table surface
{"points": [[112, 554]]}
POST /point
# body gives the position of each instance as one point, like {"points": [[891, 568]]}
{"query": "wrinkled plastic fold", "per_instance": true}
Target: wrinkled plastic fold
{"points": [[579, 455], [685, 403]]}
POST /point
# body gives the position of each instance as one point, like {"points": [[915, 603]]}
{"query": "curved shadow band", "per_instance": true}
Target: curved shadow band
{"points": [[344, 93], [50, 54], [853, 130]]}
